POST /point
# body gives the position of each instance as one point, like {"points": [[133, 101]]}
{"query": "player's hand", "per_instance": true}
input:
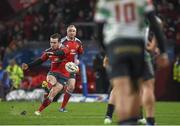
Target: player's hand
{"points": [[162, 60], [77, 62], [25, 66], [105, 61], [157, 51], [151, 46]]}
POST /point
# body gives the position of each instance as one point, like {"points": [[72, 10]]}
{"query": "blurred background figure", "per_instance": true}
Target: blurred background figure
{"points": [[4, 82], [76, 50], [102, 81], [124, 45], [15, 73], [176, 70]]}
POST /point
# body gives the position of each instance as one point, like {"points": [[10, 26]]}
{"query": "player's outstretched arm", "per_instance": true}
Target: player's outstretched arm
{"points": [[105, 61], [160, 37], [37, 62], [162, 59], [56, 53]]}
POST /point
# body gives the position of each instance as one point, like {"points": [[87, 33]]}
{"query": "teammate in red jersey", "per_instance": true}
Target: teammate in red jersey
{"points": [[57, 76], [75, 47]]}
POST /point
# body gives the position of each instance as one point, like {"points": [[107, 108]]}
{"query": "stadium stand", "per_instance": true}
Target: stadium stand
{"points": [[25, 26]]}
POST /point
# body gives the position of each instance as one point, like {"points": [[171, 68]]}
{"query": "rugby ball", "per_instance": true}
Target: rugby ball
{"points": [[71, 67]]}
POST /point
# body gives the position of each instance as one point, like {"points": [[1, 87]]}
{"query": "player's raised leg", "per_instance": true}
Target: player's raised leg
{"points": [[53, 92]]}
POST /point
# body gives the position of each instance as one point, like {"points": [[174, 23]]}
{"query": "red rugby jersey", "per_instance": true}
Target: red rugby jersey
{"points": [[75, 47], [57, 62]]}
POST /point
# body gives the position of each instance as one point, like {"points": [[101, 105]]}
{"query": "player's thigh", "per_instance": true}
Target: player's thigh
{"points": [[57, 77], [122, 85], [126, 57], [51, 79]]}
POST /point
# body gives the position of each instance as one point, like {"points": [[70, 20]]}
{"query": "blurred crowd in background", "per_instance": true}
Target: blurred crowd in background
{"points": [[36, 22], [53, 16], [168, 11]]}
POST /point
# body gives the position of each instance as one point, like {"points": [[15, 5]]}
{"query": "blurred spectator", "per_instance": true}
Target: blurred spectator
{"points": [[1, 53], [169, 11], [80, 33], [176, 70], [80, 17], [44, 9], [15, 73], [4, 83], [34, 22], [28, 23], [102, 81]]}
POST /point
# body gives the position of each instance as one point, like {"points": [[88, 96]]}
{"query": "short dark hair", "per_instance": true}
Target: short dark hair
{"points": [[70, 26], [56, 35]]}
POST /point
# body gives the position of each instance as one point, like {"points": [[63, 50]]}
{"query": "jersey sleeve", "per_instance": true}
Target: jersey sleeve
{"points": [[44, 57], [80, 49], [39, 60], [155, 26], [102, 12]]}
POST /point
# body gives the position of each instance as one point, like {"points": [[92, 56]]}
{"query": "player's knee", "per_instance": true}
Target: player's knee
{"points": [[149, 83], [148, 90], [54, 91], [148, 87], [149, 96], [51, 79]]}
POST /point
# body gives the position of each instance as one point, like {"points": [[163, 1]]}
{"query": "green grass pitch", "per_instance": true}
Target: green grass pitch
{"points": [[167, 113]]}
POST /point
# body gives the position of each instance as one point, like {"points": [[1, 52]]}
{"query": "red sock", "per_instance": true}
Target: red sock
{"points": [[45, 103], [67, 96], [49, 86], [65, 88], [46, 95]]}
